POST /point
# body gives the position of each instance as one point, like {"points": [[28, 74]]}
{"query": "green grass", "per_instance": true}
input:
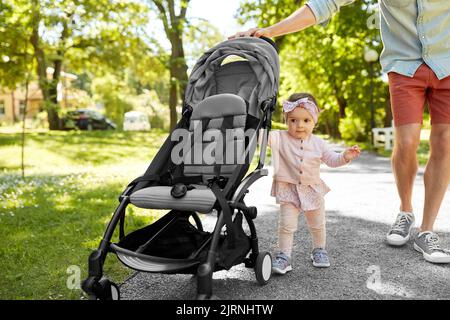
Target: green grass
{"points": [[423, 152], [56, 216]]}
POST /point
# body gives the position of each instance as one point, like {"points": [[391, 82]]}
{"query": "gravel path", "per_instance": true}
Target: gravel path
{"points": [[360, 208]]}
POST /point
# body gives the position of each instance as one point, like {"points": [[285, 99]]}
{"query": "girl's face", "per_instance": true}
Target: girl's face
{"points": [[300, 123]]}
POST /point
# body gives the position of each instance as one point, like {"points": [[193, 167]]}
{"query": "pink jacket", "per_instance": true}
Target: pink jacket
{"points": [[298, 161]]}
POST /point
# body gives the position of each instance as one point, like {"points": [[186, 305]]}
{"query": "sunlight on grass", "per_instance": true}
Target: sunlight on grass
{"points": [[56, 216], [70, 152], [423, 152]]}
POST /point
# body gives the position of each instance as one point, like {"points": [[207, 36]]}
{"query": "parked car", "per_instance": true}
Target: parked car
{"points": [[85, 119], [136, 121]]}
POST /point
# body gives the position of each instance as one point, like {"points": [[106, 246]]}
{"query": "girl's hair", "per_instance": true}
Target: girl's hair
{"points": [[300, 95]]}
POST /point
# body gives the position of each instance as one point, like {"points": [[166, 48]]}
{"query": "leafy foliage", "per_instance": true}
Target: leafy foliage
{"points": [[15, 52], [328, 62]]}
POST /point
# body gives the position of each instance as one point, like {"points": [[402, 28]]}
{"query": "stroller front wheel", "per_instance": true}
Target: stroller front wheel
{"points": [[263, 268], [109, 290], [115, 292]]}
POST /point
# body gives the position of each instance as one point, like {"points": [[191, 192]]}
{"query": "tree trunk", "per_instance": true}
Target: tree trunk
{"points": [[342, 106], [341, 114], [53, 90], [178, 74], [174, 28], [48, 87], [13, 102], [173, 99], [342, 102], [52, 113]]}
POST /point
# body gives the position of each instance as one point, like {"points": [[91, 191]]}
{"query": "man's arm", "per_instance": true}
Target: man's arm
{"points": [[299, 20], [313, 12]]}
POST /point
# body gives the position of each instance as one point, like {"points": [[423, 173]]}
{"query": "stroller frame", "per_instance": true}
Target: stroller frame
{"points": [[98, 287], [228, 200]]}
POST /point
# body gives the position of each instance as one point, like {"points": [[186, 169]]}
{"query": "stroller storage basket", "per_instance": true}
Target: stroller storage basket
{"points": [[173, 244], [142, 262], [170, 244]]}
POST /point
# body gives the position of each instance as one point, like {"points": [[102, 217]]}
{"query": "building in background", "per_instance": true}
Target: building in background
{"points": [[12, 102]]}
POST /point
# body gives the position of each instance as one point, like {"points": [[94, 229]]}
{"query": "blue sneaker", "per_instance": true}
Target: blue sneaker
{"points": [[281, 264], [319, 258]]}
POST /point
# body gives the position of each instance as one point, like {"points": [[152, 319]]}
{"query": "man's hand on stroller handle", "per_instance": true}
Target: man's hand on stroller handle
{"points": [[299, 20], [252, 32]]}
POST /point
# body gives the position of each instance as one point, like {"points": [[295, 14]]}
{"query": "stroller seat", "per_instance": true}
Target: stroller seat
{"points": [[214, 115], [200, 199]]}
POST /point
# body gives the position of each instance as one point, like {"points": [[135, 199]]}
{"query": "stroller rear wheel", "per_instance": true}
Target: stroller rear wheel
{"points": [[263, 267]]}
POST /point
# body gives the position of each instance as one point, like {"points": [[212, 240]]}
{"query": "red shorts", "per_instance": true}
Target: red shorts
{"points": [[408, 97]]}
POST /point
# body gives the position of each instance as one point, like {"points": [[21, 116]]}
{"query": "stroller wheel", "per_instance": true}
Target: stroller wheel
{"points": [[115, 292], [263, 267], [110, 290]]}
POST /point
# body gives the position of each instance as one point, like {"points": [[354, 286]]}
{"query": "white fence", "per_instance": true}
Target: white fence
{"points": [[383, 137]]}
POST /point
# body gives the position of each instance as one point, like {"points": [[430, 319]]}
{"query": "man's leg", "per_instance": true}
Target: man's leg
{"points": [[407, 99], [436, 178], [404, 162], [437, 174]]}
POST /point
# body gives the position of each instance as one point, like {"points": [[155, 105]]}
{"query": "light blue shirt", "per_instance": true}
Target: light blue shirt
{"points": [[413, 32]]}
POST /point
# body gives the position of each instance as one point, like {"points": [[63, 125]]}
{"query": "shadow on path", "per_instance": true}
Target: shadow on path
{"points": [[363, 267]]}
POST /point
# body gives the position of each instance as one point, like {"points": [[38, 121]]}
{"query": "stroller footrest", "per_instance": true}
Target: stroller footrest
{"points": [[142, 262]]}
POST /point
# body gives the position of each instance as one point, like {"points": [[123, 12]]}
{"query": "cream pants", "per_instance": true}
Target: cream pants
{"points": [[288, 223]]}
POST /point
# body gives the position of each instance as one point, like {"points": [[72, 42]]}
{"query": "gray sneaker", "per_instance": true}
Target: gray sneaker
{"points": [[281, 264], [400, 231], [319, 258], [428, 244]]}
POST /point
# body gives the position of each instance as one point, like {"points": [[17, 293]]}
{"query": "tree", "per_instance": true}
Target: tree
{"points": [[98, 30], [328, 61], [173, 16], [201, 29], [14, 47]]}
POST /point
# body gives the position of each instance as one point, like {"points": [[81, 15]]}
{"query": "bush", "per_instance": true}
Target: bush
{"points": [[278, 126], [353, 129]]}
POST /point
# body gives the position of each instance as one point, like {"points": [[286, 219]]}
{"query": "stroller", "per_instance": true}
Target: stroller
{"points": [[230, 96]]}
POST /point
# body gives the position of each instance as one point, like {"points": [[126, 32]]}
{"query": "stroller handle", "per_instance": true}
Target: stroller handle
{"points": [[269, 40]]}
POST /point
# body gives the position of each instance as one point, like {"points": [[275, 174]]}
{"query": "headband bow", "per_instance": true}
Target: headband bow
{"points": [[305, 103]]}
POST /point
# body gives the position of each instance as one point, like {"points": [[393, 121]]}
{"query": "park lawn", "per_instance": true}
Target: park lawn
{"points": [[52, 220], [423, 152]]}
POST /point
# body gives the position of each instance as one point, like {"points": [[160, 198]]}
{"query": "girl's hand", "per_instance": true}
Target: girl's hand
{"points": [[253, 32], [352, 153]]}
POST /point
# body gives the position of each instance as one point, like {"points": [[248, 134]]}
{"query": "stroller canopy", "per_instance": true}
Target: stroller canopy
{"points": [[254, 75]]}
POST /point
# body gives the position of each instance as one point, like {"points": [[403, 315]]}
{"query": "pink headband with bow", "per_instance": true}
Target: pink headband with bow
{"points": [[305, 103]]}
